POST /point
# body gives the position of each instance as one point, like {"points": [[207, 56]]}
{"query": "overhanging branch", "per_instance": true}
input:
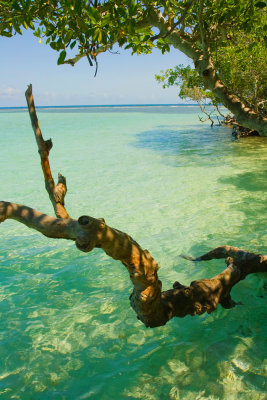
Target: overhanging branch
{"points": [[152, 306]]}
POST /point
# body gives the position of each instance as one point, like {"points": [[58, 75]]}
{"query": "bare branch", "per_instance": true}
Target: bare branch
{"points": [[220, 113], [248, 262], [64, 228], [56, 192], [153, 307], [229, 251], [93, 53], [74, 60], [206, 113]]}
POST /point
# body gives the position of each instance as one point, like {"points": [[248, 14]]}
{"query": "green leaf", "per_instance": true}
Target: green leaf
{"points": [[37, 33], [77, 5], [145, 38], [105, 20], [251, 46], [68, 36], [16, 6], [260, 4], [7, 34], [93, 14], [61, 57], [128, 46], [53, 45], [72, 44], [60, 44], [16, 27]]}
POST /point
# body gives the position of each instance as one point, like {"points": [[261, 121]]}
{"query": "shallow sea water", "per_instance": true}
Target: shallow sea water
{"points": [[66, 328]]}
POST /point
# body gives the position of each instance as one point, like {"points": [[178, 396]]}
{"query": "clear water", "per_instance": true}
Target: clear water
{"points": [[177, 186]]}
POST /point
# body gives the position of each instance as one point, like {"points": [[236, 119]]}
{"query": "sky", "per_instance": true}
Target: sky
{"points": [[121, 78]]}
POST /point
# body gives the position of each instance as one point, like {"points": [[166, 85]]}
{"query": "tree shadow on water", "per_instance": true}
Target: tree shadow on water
{"points": [[199, 140], [252, 181], [250, 191], [221, 354]]}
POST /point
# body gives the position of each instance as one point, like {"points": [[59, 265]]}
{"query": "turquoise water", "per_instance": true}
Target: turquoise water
{"points": [[67, 330]]}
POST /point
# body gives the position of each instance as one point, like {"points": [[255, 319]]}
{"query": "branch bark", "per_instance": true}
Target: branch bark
{"points": [[244, 114], [152, 306], [56, 192]]}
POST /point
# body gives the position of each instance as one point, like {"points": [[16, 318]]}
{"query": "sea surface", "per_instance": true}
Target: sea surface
{"points": [[67, 331]]}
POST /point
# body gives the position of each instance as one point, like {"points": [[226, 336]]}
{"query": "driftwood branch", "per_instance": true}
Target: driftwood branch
{"points": [[153, 306], [56, 192]]}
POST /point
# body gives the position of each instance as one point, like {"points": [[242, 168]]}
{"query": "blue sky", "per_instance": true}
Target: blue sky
{"points": [[121, 79]]}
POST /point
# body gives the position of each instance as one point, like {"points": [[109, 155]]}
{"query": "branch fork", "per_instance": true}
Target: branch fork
{"points": [[56, 192], [153, 306]]}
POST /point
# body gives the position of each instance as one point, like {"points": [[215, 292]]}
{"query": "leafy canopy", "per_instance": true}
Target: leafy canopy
{"points": [[242, 65], [230, 35], [90, 27]]}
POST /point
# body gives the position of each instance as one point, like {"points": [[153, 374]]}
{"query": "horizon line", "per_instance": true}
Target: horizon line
{"points": [[104, 105]]}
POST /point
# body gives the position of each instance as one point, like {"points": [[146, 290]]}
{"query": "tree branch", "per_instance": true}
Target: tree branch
{"points": [[205, 67], [202, 108], [181, 42], [250, 262], [94, 52], [72, 61], [57, 228], [153, 307], [56, 192], [203, 35]]}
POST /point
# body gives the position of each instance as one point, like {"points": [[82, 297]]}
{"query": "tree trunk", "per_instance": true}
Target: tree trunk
{"points": [[245, 115]]}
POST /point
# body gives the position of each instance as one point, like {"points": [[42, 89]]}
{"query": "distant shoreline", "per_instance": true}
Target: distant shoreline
{"points": [[100, 106]]}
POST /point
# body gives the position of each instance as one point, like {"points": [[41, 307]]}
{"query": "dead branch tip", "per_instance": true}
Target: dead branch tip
{"points": [[28, 90], [190, 258]]}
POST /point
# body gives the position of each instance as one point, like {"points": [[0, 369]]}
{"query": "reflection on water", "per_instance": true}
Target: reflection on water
{"points": [[67, 331]]}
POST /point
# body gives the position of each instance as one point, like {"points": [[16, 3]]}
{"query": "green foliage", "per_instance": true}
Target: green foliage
{"points": [[91, 24], [239, 56], [234, 32], [242, 64], [191, 85]]}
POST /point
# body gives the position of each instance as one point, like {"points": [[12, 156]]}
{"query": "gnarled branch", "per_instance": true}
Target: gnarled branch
{"points": [[152, 306]]}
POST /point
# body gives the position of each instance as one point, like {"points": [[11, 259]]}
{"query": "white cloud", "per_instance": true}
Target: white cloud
{"points": [[10, 92], [49, 95]]}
